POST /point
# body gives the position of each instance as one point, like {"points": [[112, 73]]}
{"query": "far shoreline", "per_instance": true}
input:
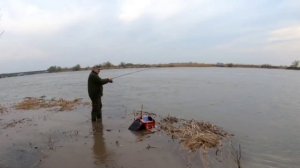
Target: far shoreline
{"points": [[107, 65]]}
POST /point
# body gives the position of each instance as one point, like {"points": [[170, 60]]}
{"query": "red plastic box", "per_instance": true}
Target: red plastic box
{"points": [[148, 122]]}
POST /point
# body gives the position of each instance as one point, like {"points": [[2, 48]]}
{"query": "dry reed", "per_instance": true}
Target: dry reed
{"points": [[193, 134], [3, 109], [31, 103]]}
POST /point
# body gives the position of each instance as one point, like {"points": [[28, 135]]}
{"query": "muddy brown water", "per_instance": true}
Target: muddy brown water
{"points": [[42, 138], [259, 106]]}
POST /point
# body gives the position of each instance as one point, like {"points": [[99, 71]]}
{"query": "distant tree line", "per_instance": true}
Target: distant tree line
{"points": [[60, 69], [54, 69], [105, 65], [109, 65]]}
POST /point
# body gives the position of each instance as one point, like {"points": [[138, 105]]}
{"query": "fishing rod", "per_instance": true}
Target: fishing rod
{"points": [[131, 73]]}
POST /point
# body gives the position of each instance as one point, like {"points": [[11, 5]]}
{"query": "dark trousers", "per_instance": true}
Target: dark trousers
{"points": [[96, 108]]}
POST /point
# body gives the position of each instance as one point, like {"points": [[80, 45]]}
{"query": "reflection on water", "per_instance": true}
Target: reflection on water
{"points": [[100, 152], [142, 135]]}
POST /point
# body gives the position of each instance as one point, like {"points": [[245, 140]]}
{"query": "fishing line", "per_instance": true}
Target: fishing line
{"points": [[131, 73]]}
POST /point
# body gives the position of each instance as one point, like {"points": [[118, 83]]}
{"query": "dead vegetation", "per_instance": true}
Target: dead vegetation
{"points": [[238, 155], [3, 109], [31, 103], [193, 134], [137, 114], [13, 123]]}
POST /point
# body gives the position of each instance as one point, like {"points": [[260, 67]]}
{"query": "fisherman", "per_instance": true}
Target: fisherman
{"points": [[95, 89]]}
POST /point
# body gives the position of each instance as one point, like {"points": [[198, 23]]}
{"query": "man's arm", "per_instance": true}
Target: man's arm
{"points": [[102, 81]]}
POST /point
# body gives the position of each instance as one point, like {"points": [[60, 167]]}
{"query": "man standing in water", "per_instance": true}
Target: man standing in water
{"points": [[95, 89]]}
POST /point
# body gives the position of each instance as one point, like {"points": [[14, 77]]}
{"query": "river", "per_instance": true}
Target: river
{"points": [[261, 107]]}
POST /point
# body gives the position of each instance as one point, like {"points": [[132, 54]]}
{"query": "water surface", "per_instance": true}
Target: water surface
{"points": [[261, 107]]}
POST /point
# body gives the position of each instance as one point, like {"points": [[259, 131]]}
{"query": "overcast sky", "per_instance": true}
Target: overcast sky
{"points": [[38, 34]]}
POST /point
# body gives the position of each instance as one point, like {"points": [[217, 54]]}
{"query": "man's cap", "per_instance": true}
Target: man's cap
{"points": [[97, 67]]}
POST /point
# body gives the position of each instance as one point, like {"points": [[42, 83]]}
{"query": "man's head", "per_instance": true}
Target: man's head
{"points": [[96, 68]]}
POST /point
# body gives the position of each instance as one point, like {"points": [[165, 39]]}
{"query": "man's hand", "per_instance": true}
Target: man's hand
{"points": [[110, 80]]}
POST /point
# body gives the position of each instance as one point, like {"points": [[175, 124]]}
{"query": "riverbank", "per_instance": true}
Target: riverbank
{"points": [[49, 137]]}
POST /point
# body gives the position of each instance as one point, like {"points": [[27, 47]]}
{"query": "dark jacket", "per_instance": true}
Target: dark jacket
{"points": [[95, 85]]}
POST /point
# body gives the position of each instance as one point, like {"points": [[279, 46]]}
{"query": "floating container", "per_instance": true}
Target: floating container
{"points": [[146, 122]]}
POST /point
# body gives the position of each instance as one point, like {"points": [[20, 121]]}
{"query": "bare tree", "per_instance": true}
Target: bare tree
{"points": [[295, 64]]}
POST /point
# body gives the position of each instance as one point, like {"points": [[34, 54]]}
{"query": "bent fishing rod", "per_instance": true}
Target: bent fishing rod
{"points": [[132, 73]]}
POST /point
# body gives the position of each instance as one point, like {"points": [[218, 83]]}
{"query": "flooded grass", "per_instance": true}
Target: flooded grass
{"points": [[13, 123], [32, 103], [193, 134], [49, 142], [2, 109]]}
